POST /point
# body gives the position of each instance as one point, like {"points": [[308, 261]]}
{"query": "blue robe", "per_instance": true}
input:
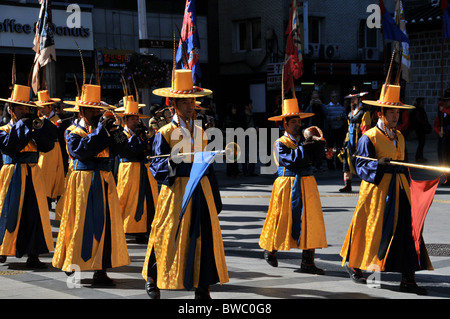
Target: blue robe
{"points": [[295, 218], [380, 232], [189, 252], [91, 231], [26, 230]]}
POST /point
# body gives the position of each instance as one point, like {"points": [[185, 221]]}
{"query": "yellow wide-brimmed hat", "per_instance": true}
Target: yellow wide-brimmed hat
{"points": [[132, 108], [20, 95], [90, 97], [45, 99], [125, 99], [290, 109], [389, 97], [182, 86], [198, 107], [72, 109]]}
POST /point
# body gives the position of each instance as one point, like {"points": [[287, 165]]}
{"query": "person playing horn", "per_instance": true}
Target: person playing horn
{"points": [[24, 216], [91, 231], [51, 163], [380, 233], [136, 187], [189, 252], [295, 217]]}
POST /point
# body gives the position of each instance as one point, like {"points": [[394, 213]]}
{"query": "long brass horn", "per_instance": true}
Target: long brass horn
{"points": [[427, 167]]}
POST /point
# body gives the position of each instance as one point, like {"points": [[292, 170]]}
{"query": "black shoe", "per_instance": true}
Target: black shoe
{"points": [[307, 265], [347, 188], [202, 293], [356, 275], [2, 259], [271, 258], [152, 289], [33, 262], [411, 287], [101, 279], [310, 269]]}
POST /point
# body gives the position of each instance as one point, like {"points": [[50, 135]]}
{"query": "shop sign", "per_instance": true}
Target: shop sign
{"points": [[17, 28]]}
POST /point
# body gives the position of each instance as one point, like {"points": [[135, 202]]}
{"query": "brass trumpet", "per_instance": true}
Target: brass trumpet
{"points": [[37, 123], [314, 131], [111, 114]]}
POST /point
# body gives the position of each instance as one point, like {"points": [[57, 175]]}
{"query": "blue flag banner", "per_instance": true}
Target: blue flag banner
{"points": [[447, 22], [202, 161], [390, 29], [187, 54]]}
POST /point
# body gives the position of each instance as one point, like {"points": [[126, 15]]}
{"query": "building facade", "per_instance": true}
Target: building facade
{"points": [[340, 51], [242, 47]]}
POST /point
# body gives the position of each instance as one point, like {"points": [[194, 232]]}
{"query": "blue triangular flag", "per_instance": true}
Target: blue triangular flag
{"points": [[202, 161], [391, 30]]}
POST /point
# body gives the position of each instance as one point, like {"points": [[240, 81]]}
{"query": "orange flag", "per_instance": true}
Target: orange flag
{"points": [[422, 194]]}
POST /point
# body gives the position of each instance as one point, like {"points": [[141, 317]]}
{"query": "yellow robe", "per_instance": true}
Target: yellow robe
{"points": [[128, 179], [8, 248], [171, 253], [59, 204], [277, 229], [363, 238], [70, 236], [51, 164]]}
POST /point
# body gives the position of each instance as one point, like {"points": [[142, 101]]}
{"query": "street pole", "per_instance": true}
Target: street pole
{"points": [[142, 20], [144, 50]]}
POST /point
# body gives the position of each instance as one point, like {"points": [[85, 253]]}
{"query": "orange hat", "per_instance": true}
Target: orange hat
{"points": [[132, 108], [72, 109], [20, 95], [44, 98], [290, 108], [125, 100], [91, 97], [389, 97], [182, 86]]}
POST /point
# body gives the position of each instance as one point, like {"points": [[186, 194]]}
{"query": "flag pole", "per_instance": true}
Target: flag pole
{"points": [[282, 84]]}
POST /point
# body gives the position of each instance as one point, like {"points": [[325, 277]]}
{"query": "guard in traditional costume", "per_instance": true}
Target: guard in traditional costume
{"points": [[295, 217], [188, 249], [51, 163], [380, 234], [91, 230], [136, 187], [24, 216], [359, 121]]}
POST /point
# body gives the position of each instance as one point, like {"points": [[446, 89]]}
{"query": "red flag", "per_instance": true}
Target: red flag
{"points": [[382, 7], [293, 62], [422, 194]]}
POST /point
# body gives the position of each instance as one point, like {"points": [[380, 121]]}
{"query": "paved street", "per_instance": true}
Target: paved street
{"points": [[245, 204]]}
